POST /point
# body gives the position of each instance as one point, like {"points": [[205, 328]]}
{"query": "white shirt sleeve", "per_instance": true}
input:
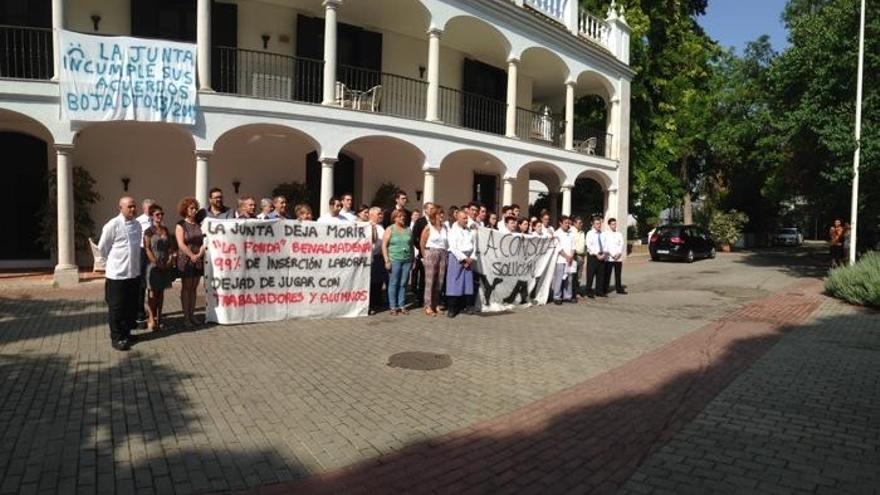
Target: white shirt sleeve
{"points": [[108, 236]]}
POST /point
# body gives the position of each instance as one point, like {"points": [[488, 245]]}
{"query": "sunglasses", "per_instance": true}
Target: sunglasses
{"points": [[158, 214]]}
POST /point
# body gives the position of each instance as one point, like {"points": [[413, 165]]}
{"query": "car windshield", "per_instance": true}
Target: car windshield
{"points": [[788, 231]]}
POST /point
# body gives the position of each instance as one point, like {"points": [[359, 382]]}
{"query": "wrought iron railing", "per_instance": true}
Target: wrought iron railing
{"points": [[463, 109], [592, 141], [25, 52], [540, 127], [267, 75], [374, 91]]}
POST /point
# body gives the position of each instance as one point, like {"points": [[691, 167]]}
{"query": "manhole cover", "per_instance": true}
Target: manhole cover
{"points": [[421, 361]]}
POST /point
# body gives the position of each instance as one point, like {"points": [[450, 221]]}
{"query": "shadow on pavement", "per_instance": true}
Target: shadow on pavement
{"points": [[591, 439], [809, 261]]}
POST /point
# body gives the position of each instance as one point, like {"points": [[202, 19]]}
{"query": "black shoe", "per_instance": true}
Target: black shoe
{"points": [[591, 295], [622, 291], [572, 301], [602, 295], [557, 302], [451, 314], [121, 345], [470, 310]]}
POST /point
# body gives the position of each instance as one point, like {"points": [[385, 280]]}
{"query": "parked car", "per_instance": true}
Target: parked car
{"points": [[683, 242], [789, 236]]}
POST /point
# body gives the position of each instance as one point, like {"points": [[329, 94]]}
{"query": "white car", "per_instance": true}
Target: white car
{"points": [[788, 237]]}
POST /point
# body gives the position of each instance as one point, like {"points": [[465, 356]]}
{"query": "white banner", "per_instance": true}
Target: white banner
{"points": [[265, 270], [122, 78], [514, 269]]}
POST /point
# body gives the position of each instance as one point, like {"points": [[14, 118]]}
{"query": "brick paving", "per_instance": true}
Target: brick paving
{"points": [[229, 408]]}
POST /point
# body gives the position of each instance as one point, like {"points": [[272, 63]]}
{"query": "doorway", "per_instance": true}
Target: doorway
{"points": [[25, 175], [485, 190]]}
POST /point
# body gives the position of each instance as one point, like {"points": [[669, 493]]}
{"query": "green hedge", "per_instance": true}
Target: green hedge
{"points": [[859, 283]]}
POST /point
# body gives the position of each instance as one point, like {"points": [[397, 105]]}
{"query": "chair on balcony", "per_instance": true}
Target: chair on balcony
{"points": [[588, 146], [371, 99], [342, 96]]}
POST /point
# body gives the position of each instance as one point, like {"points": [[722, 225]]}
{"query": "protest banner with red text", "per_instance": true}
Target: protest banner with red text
{"points": [[265, 270]]}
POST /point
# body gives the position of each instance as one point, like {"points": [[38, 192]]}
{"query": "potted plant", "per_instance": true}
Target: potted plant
{"points": [[84, 196], [726, 228]]}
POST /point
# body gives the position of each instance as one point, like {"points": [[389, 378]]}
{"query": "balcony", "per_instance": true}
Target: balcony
{"points": [[25, 52], [577, 19]]}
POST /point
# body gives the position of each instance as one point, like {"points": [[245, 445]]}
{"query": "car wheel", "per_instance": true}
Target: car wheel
{"points": [[712, 254], [690, 256]]}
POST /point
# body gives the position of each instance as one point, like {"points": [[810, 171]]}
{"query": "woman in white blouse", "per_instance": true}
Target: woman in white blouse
{"points": [[459, 272], [433, 245]]}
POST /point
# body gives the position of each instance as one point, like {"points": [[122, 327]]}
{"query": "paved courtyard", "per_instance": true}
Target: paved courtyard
{"points": [[736, 367]]}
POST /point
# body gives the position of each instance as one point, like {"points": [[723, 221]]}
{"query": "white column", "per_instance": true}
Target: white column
{"points": [[202, 177], [611, 206], [613, 129], [569, 114], [330, 53], [507, 191], [203, 42], [510, 123], [66, 272], [57, 23], [428, 187], [433, 102], [566, 200], [327, 164]]}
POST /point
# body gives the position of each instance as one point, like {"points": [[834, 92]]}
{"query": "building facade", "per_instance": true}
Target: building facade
{"points": [[451, 100]]}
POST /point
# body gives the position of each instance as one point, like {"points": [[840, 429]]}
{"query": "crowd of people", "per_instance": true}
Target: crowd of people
{"points": [[428, 252]]}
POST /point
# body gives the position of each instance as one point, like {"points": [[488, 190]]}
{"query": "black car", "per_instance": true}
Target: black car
{"points": [[683, 242]]}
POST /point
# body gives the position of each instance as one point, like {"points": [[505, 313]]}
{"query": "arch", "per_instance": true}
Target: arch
{"points": [[477, 38], [13, 121], [548, 72], [551, 175], [157, 159], [260, 157], [380, 159], [599, 176], [592, 82], [470, 175], [401, 16], [590, 193]]}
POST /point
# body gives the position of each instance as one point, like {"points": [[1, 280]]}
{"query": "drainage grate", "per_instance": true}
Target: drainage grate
{"points": [[421, 361]]}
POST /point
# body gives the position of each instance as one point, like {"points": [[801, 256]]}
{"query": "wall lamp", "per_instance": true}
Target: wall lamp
{"points": [[125, 182], [236, 184], [96, 20], [418, 194], [421, 72], [265, 38]]}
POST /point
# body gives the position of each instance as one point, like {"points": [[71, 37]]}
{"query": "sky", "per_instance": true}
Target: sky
{"points": [[736, 22]]}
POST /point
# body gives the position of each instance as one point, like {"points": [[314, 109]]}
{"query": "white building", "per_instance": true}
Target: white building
{"points": [[452, 100]]}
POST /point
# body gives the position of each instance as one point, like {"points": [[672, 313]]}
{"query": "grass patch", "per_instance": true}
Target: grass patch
{"points": [[857, 284]]}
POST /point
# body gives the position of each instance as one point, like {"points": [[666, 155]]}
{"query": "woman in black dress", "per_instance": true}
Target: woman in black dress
{"points": [[161, 251], [190, 256]]}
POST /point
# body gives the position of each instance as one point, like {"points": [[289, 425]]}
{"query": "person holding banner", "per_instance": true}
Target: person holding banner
{"points": [[190, 258], [397, 249], [266, 208], [279, 210], [459, 272], [303, 212], [332, 215], [565, 265], [434, 243]]}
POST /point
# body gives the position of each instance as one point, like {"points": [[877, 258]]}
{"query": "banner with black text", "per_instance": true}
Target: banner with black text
{"points": [[514, 269], [265, 270]]}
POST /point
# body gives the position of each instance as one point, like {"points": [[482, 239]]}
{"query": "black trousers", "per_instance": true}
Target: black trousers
{"points": [[595, 271], [617, 268], [122, 300], [418, 280]]}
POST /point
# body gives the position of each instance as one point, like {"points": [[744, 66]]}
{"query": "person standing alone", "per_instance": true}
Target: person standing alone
{"points": [[120, 244], [615, 247]]}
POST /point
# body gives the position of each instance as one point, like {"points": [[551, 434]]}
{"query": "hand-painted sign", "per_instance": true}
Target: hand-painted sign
{"points": [[273, 270], [514, 269], [122, 78]]}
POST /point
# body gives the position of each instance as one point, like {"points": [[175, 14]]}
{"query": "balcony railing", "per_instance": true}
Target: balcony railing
{"points": [[375, 91], [267, 75], [593, 28], [592, 141], [554, 9], [25, 52], [540, 127], [463, 109]]}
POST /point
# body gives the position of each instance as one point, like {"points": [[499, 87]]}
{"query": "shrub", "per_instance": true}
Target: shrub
{"points": [[295, 192], [858, 283], [84, 196], [727, 227], [385, 195]]}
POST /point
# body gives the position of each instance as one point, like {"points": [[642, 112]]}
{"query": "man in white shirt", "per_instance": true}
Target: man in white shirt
{"points": [[332, 216], [247, 208], [564, 262], [120, 244], [347, 213], [595, 260], [615, 248], [146, 221]]}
